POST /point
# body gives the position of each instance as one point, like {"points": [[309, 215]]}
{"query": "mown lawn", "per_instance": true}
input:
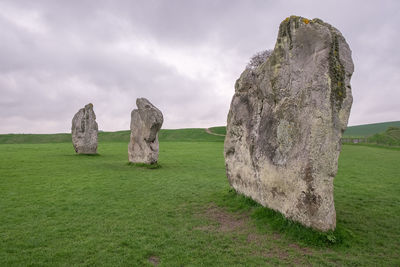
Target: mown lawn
{"points": [[61, 209]]}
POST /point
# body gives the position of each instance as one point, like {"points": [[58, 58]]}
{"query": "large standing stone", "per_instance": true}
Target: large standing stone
{"points": [[146, 121], [286, 120], [84, 131]]}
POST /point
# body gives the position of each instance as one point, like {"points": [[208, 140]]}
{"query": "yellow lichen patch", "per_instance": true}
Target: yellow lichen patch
{"points": [[306, 21], [286, 20], [317, 20]]}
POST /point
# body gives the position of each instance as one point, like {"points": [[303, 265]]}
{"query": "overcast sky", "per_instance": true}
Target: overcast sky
{"points": [[184, 56]]}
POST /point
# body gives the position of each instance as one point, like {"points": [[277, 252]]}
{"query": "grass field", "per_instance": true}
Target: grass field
{"points": [[218, 130], [364, 130], [369, 129], [62, 209], [384, 134], [196, 134], [390, 137]]}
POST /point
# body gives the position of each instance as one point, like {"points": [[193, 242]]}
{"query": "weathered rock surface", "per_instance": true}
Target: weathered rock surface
{"points": [[146, 121], [286, 120], [84, 131]]}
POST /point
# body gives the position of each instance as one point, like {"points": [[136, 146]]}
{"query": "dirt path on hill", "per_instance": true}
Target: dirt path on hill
{"points": [[209, 132]]}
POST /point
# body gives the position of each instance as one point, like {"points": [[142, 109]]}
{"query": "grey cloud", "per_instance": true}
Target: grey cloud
{"points": [[56, 56]]}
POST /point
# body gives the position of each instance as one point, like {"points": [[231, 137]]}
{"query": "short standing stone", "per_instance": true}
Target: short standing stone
{"points": [[84, 131], [286, 120], [146, 121]]}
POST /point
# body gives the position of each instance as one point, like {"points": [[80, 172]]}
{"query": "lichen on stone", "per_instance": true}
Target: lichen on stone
{"points": [[317, 20], [285, 28], [285, 31], [336, 73]]}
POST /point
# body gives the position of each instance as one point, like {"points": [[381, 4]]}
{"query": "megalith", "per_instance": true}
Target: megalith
{"points": [[84, 131], [286, 120], [146, 121]]}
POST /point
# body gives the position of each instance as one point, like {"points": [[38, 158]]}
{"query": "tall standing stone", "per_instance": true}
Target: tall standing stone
{"points": [[286, 120], [146, 121], [84, 131]]}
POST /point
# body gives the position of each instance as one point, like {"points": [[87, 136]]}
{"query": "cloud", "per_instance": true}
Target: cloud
{"points": [[184, 56]]}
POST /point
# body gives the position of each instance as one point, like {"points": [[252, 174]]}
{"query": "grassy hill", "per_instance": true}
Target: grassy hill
{"points": [[34, 138], [351, 131], [218, 129], [390, 137], [369, 129], [195, 134], [190, 134]]}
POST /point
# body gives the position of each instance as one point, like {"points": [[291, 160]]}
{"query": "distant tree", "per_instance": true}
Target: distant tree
{"points": [[258, 59]]}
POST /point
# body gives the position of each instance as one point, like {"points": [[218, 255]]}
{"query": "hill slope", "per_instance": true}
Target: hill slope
{"points": [[370, 129], [351, 131], [390, 137], [191, 134], [195, 134]]}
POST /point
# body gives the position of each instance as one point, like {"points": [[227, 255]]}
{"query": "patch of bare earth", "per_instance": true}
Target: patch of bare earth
{"points": [[267, 246], [154, 260], [227, 221], [255, 238], [276, 253], [277, 236], [301, 250]]}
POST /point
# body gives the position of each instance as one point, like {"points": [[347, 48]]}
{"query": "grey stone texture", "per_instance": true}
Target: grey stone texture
{"points": [[286, 120], [146, 121], [84, 131]]}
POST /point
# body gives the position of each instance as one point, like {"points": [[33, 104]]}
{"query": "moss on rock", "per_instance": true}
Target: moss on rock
{"points": [[336, 73]]}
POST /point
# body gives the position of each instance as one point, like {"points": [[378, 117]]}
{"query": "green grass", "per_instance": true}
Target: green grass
{"points": [[194, 134], [58, 208], [145, 165], [218, 130], [184, 135], [369, 129], [34, 138], [351, 131], [390, 137], [119, 136]]}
